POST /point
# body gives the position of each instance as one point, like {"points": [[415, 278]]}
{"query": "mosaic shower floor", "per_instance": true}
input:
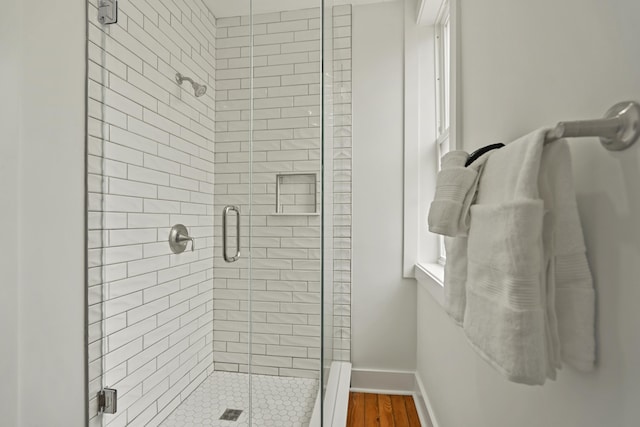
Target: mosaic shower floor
{"points": [[277, 402]]}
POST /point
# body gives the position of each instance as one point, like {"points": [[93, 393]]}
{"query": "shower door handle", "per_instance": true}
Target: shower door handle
{"points": [[225, 214]]}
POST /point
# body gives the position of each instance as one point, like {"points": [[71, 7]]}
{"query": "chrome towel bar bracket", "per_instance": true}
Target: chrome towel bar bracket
{"points": [[618, 130]]}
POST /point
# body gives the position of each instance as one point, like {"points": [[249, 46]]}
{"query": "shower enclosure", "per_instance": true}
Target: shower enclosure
{"points": [[219, 211]]}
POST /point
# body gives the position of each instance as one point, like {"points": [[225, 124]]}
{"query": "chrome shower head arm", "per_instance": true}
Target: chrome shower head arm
{"points": [[181, 79]]}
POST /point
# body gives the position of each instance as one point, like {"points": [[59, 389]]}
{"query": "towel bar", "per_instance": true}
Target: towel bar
{"points": [[618, 130]]}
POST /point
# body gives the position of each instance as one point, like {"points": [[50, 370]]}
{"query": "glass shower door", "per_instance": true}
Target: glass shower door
{"points": [[205, 207]]}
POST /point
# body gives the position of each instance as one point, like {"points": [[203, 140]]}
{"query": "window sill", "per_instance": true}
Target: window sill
{"points": [[431, 278]]}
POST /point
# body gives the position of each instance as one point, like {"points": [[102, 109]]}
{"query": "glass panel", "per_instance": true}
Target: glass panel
{"points": [[337, 199], [151, 164], [286, 242], [97, 234], [328, 90], [341, 170]]}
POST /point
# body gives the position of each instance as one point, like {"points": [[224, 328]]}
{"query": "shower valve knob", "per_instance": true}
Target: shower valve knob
{"points": [[178, 238]]}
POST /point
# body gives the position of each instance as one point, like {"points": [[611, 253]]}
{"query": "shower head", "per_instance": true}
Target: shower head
{"points": [[198, 89]]}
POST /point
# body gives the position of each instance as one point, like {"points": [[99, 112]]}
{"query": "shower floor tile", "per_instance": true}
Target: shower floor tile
{"points": [[277, 402]]}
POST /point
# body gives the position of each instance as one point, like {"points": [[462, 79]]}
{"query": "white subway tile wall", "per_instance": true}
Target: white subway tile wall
{"points": [[150, 166]]}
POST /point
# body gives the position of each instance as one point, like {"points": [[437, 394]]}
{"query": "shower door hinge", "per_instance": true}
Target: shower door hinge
{"points": [[107, 11], [108, 401]]}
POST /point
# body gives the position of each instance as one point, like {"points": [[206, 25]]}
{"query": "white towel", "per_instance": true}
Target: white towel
{"points": [[456, 187], [574, 296], [526, 263]]}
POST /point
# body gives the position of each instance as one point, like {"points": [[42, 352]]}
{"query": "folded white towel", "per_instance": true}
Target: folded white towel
{"points": [[455, 190], [526, 263]]}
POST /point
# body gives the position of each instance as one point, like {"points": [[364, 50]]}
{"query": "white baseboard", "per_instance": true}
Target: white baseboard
{"points": [[382, 382], [396, 382], [423, 405]]}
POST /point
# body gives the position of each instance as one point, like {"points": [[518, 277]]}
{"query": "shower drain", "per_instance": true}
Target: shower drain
{"points": [[231, 414]]}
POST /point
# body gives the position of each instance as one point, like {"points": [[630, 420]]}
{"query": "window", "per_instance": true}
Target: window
{"points": [[430, 128]]}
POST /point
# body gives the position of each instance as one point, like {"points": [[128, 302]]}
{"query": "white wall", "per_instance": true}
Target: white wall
{"points": [[528, 64], [51, 224], [383, 304], [9, 151]]}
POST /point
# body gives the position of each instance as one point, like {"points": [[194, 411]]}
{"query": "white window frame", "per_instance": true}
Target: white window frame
{"points": [[443, 96], [424, 140]]}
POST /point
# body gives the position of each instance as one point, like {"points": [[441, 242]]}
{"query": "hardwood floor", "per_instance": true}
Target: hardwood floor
{"points": [[373, 410]]}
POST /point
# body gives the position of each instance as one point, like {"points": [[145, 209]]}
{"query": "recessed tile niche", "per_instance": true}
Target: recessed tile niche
{"points": [[297, 194]]}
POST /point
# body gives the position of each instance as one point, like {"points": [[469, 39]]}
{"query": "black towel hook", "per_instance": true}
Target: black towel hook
{"points": [[481, 151]]}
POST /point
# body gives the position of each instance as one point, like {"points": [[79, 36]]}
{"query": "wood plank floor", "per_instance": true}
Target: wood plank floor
{"points": [[373, 410]]}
